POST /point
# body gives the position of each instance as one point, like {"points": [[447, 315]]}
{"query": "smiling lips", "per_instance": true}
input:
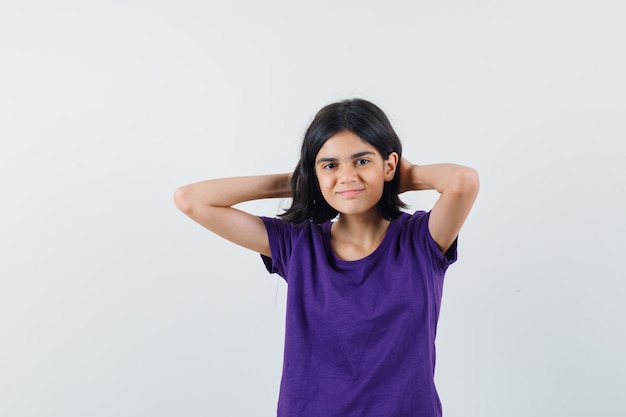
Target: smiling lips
{"points": [[349, 193]]}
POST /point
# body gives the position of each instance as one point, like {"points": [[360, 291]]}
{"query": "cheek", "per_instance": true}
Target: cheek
{"points": [[323, 184], [322, 180]]}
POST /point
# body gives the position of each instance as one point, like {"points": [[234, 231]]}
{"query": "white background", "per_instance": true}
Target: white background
{"points": [[113, 303]]}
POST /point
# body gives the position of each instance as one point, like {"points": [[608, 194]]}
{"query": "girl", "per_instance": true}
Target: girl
{"points": [[364, 278]]}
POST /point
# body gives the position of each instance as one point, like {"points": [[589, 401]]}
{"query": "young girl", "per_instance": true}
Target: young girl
{"points": [[364, 278]]}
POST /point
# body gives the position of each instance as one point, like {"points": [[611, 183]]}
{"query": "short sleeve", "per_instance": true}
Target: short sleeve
{"points": [[424, 240], [280, 236]]}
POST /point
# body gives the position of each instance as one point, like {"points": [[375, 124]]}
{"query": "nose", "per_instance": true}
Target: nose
{"points": [[346, 173]]}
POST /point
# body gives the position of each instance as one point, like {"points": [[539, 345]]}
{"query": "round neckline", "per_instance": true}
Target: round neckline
{"points": [[330, 253]]}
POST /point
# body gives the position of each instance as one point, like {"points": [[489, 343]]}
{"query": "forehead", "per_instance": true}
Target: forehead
{"points": [[344, 144]]}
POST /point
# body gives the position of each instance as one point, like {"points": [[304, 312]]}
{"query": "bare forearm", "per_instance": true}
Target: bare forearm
{"points": [[226, 192], [441, 177]]}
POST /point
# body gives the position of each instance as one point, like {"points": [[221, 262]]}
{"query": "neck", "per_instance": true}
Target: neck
{"points": [[356, 236], [365, 227]]}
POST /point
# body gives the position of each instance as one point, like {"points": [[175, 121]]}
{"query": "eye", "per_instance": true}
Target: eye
{"points": [[362, 161], [329, 165]]}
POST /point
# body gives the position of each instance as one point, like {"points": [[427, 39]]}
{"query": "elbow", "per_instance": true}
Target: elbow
{"points": [[183, 200], [466, 182]]}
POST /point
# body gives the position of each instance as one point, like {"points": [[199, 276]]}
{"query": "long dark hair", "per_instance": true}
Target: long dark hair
{"points": [[369, 123]]}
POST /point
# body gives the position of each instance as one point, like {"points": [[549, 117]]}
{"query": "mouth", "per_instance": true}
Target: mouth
{"points": [[349, 193]]}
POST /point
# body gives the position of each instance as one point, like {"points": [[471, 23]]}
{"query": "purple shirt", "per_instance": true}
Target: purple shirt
{"points": [[360, 335]]}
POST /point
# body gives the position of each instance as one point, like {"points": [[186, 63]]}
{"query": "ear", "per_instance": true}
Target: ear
{"points": [[391, 163]]}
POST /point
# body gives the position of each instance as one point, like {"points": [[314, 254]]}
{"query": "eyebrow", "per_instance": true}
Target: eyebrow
{"points": [[353, 156]]}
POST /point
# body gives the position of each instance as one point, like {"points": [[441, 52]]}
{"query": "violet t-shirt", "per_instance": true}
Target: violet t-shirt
{"points": [[360, 335]]}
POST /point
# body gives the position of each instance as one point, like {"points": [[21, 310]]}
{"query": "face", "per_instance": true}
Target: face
{"points": [[352, 173]]}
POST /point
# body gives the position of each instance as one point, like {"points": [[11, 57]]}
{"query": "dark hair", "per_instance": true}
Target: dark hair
{"points": [[369, 123]]}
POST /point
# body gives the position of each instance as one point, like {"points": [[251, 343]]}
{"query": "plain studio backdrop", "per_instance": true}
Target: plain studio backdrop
{"points": [[113, 303]]}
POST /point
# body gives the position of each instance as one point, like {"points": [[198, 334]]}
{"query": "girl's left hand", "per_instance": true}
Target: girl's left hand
{"points": [[405, 175]]}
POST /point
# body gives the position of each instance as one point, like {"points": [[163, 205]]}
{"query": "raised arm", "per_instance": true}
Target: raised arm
{"points": [[209, 203], [458, 186]]}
